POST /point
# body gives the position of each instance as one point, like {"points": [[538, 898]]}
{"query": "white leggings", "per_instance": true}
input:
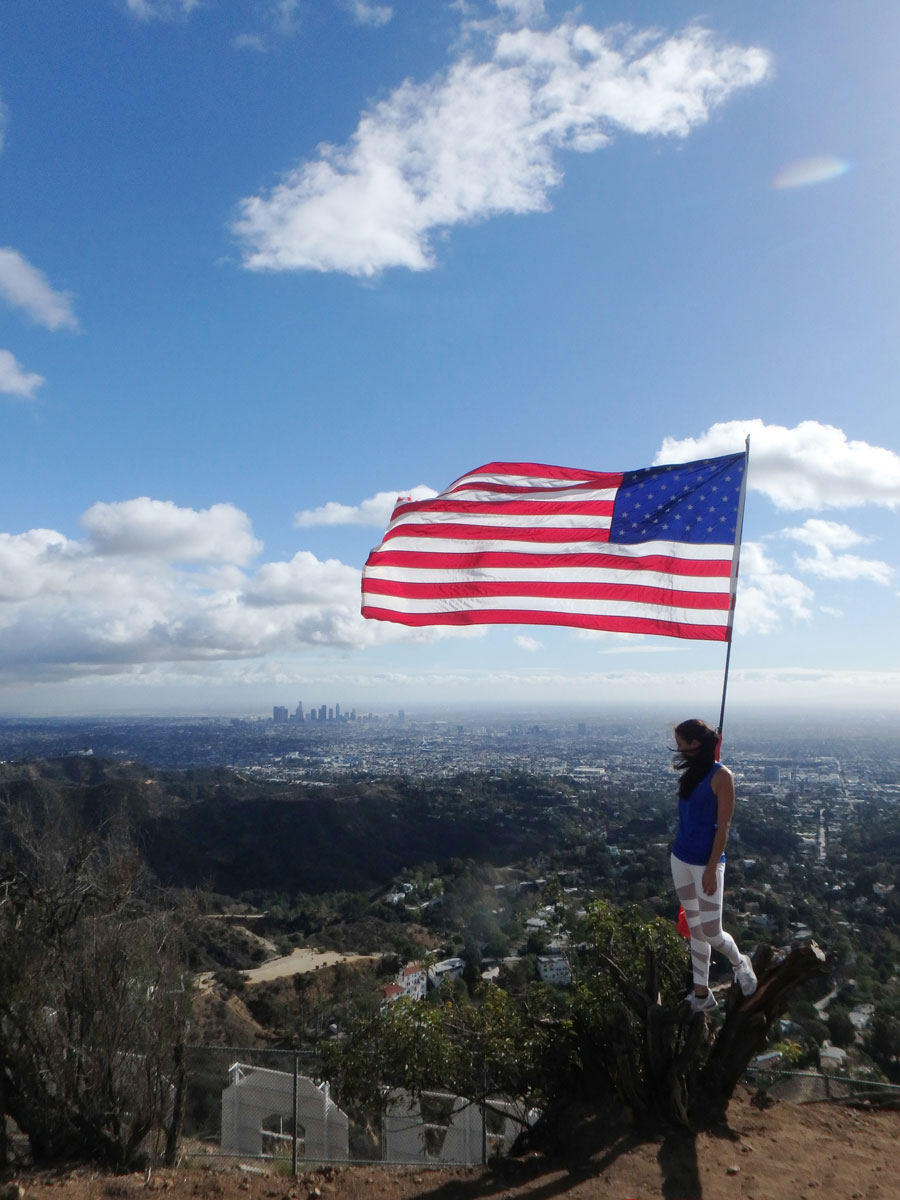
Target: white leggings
{"points": [[704, 917]]}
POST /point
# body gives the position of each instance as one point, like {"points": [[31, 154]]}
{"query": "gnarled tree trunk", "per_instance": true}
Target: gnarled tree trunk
{"points": [[684, 1071]]}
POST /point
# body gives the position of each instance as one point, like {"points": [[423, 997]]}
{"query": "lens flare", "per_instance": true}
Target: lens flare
{"points": [[803, 172]]}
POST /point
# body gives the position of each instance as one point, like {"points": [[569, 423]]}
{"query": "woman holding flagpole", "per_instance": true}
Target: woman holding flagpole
{"points": [[705, 808]]}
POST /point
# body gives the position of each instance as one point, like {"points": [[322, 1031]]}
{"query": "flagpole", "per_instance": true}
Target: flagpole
{"points": [[735, 566]]}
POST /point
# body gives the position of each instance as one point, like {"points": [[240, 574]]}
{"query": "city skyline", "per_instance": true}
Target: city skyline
{"points": [[267, 267]]}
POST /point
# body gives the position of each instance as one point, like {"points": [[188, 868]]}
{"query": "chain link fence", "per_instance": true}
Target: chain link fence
{"points": [[815, 1087], [272, 1109]]}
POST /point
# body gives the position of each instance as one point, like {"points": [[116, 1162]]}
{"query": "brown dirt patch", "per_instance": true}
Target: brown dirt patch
{"points": [[786, 1152]]}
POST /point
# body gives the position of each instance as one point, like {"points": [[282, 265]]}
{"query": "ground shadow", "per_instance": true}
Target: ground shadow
{"points": [[678, 1164], [592, 1144]]}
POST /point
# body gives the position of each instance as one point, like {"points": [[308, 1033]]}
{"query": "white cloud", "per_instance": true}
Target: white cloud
{"points": [[250, 41], [24, 286], [826, 537], [524, 12], [808, 466], [530, 644], [375, 511], [483, 139], [153, 583], [160, 529], [832, 534], [281, 20], [370, 14], [766, 594], [283, 15], [15, 380], [161, 10]]}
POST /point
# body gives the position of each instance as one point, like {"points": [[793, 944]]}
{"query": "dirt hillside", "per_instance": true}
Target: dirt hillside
{"points": [[788, 1151]]}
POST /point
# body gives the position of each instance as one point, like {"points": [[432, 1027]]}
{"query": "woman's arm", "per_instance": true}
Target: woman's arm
{"points": [[723, 788]]}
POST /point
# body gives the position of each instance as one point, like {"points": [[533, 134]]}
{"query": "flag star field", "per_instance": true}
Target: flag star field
{"points": [[273, 272]]}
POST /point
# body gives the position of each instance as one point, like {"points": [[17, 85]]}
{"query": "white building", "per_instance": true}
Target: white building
{"points": [[553, 968], [257, 1116], [413, 978], [447, 968]]}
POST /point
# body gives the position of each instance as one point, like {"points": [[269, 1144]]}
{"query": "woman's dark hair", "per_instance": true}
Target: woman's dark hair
{"points": [[694, 768]]}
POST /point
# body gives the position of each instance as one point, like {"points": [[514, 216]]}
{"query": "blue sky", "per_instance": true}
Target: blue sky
{"points": [[267, 263]]}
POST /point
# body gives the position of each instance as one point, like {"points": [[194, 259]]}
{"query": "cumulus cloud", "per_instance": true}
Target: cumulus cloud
{"points": [[160, 529], [810, 465], [826, 539], [15, 380], [766, 594], [24, 286], [375, 511], [482, 138], [152, 583]]}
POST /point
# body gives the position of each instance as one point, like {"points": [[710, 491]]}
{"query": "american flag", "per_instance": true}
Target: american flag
{"points": [[646, 551]]}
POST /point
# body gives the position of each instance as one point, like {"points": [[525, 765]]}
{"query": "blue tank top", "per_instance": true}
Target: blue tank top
{"points": [[697, 822]]}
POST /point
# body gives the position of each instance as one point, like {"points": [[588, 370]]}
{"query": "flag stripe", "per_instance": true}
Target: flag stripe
{"points": [[614, 624], [639, 593], [587, 607], [588, 491], [602, 507], [507, 533], [473, 554], [589, 576], [533, 475]]}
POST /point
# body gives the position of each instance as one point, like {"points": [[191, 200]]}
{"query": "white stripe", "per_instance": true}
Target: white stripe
{"points": [[541, 496], [662, 579], [530, 481], [535, 520], [602, 608], [712, 552]]}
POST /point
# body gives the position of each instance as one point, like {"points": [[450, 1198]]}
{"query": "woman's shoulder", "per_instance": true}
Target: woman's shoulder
{"points": [[720, 772]]}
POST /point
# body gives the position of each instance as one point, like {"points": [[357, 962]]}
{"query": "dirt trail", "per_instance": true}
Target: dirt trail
{"points": [[299, 961]]}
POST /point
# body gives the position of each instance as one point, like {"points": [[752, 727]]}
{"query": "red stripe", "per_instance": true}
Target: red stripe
{"points": [[530, 489], [704, 633], [670, 597], [543, 471], [498, 533], [514, 508], [699, 567]]}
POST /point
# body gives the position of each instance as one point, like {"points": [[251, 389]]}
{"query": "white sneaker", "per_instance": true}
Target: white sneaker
{"points": [[745, 976], [701, 1003]]}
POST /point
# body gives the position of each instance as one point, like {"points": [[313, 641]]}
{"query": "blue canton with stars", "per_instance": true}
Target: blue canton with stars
{"points": [[688, 502]]}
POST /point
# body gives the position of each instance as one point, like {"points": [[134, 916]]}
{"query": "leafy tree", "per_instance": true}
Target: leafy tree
{"points": [[476, 1050], [94, 992]]}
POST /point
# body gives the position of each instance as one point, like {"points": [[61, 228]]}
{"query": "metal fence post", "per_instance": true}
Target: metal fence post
{"points": [[484, 1137], [296, 1111]]}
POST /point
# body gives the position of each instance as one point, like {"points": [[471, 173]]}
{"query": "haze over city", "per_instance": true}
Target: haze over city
{"points": [[269, 266]]}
